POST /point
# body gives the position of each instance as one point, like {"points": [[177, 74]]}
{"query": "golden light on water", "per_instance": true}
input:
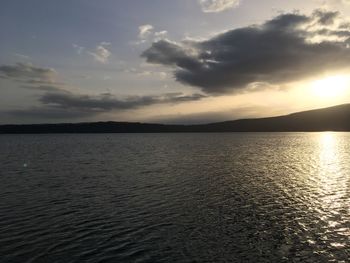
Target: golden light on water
{"points": [[327, 144], [331, 180], [329, 166]]}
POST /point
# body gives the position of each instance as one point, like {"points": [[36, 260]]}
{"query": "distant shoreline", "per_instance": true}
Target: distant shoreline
{"points": [[335, 118]]}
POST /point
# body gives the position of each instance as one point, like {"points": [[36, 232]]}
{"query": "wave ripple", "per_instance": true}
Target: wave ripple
{"points": [[268, 197]]}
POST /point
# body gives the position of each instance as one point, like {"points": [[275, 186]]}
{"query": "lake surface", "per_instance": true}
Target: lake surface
{"points": [[232, 197]]}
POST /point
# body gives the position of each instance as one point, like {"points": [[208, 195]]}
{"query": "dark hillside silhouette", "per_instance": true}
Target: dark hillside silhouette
{"points": [[335, 118]]}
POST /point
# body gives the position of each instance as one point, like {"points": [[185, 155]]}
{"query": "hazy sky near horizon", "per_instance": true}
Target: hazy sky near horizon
{"points": [[174, 61]]}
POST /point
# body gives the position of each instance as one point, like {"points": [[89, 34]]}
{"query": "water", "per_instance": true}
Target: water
{"points": [[268, 197]]}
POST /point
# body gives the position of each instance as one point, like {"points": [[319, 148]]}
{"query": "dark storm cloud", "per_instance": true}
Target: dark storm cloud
{"points": [[27, 72], [286, 48], [169, 53], [65, 104]]}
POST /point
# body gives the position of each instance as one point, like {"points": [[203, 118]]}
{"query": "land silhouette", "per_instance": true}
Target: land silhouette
{"points": [[336, 118]]}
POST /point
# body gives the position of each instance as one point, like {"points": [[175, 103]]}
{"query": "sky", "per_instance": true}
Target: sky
{"points": [[171, 61]]}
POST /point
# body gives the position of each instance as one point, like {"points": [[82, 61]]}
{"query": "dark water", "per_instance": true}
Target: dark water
{"points": [[266, 197]]}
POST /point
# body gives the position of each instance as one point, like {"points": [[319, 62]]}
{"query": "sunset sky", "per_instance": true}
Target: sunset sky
{"points": [[171, 61]]}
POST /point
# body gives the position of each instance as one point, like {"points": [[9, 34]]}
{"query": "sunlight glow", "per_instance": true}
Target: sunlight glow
{"points": [[330, 87]]}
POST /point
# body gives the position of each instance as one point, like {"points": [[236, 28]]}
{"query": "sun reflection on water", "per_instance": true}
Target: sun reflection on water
{"points": [[331, 180], [328, 155], [329, 170]]}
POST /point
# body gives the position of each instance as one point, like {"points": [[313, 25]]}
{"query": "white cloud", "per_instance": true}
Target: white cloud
{"points": [[331, 3], [145, 31], [21, 56], [101, 53], [215, 6], [160, 35], [78, 48], [105, 43]]}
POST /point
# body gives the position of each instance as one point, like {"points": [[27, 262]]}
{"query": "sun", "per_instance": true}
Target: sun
{"points": [[330, 87]]}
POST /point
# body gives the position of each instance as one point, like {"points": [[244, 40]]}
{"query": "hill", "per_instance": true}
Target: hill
{"points": [[335, 118]]}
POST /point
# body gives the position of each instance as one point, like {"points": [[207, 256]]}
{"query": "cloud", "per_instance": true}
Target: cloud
{"points": [[172, 54], [27, 72], [145, 31], [21, 56], [32, 77], [333, 2], [44, 87], [102, 53], [145, 73], [57, 101], [107, 101], [215, 6], [286, 48], [78, 48], [160, 35], [42, 82], [326, 18], [65, 104]]}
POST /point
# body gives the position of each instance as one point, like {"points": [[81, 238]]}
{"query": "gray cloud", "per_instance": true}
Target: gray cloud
{"points": [[64, 104], [32, 77], [57, 101], [173, 54], [44, 87], [286, 48], [107, 102], [326, 18], [27, 72]]}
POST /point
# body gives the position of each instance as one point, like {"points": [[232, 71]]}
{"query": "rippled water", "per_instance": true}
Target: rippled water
{"points": [[268, 197]]}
